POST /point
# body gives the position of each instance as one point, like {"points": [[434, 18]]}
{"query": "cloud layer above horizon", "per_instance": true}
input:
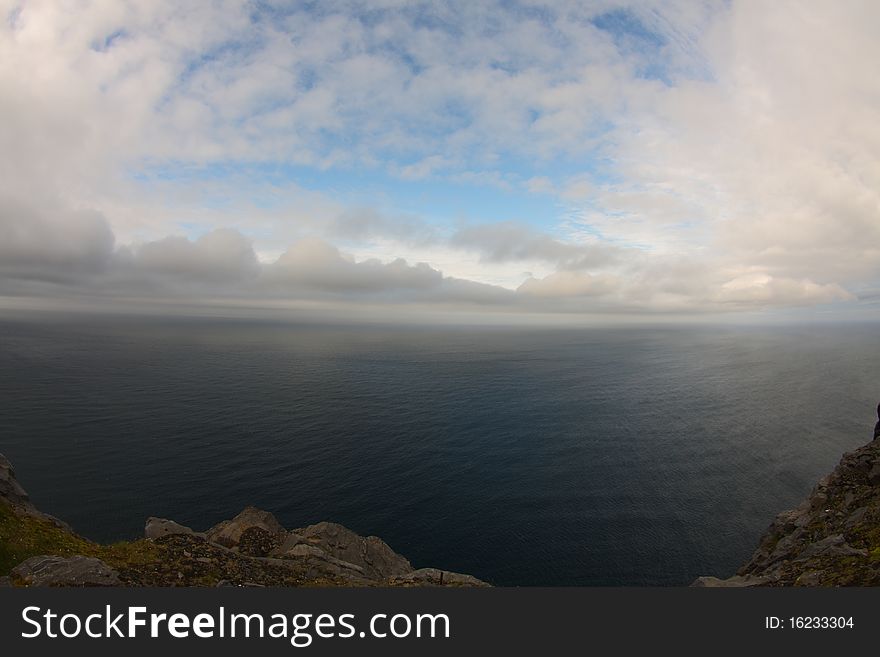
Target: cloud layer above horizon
{"points": [[526, 157]]}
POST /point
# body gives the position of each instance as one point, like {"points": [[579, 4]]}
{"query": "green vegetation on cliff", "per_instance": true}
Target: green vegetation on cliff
{"points": [[23, 536]]}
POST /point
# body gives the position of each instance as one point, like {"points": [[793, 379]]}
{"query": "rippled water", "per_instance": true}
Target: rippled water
{"points": [[554, 457]]}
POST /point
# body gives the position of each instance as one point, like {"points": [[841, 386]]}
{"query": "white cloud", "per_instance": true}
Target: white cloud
{"points": [[221, 256], [772, 162], [510, 241], [52, 242], [568, 284], [721, 156], [764, 289], [315, 264]]}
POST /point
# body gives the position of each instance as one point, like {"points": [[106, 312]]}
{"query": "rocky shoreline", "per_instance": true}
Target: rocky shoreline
{"points": [[251, 549]]}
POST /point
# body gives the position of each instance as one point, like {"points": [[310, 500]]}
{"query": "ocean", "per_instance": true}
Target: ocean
{"points": [[524, 456]]}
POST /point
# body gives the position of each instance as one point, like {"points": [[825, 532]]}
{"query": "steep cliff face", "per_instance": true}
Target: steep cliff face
{"points": [[831, 539], [251, 549]]}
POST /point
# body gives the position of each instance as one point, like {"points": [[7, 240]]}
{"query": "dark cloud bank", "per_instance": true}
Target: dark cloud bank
{"points": [[76, 253], [54, 253]]}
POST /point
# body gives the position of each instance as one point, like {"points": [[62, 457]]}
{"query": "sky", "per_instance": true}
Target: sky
{"points": [[510, 159]]}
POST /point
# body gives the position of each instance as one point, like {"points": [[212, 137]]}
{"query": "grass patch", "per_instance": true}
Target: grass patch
{"points": [[127, 553], [23, 536]]}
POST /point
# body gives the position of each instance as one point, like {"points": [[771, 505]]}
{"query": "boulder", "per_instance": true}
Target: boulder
{"points": [[377, 560], [833, 546], [228, 533], [64, 571], [159, 527], [303, 550], [737, 581]]}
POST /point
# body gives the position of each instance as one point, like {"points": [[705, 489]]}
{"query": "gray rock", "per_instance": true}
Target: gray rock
{"points": [[856, 517], [159, 527], [810, 578], [304, 550], [320, 564], [342, 568], [291, 540], [65, 571], [833, 546], [5, 582], [786, 548], [737, 581], [228, 533], [310, 551], [374, 556], [797, 517], [435, 577]]}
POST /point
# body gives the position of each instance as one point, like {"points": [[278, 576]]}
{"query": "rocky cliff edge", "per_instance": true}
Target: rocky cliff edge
{"points": [[831, 539]]}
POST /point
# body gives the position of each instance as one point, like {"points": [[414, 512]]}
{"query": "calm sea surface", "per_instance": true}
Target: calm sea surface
{"points": [[638, 456]]}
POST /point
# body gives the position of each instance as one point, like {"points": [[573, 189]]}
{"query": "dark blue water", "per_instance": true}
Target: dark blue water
{"points": [[639, 456]]}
